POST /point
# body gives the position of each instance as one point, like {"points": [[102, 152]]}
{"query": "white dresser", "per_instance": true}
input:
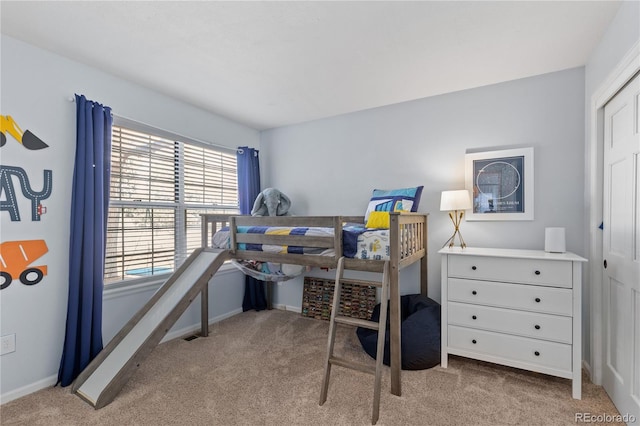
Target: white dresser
{"points": [[521, 308]]}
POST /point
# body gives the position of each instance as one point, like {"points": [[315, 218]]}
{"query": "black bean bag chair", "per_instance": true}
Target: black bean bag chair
{"points": [[420, 333]]}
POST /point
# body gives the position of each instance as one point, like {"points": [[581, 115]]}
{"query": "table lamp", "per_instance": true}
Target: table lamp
{"points": [[455, 202]]}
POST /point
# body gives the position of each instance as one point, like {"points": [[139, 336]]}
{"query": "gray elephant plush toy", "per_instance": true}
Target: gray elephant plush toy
{"points": [[271, 202]]}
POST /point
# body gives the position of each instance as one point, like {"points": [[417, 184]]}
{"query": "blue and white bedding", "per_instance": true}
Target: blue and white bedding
{"points": [[365, 243], [358, 242]]}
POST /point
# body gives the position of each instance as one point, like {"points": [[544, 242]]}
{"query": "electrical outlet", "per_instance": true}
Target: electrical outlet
{"points": [[8, 344]]}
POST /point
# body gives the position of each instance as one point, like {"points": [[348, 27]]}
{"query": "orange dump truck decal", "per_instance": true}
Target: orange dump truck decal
{"points": [[16, 258]]}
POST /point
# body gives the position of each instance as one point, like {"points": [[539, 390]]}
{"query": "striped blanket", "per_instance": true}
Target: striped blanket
{"points": [[281, 230]]}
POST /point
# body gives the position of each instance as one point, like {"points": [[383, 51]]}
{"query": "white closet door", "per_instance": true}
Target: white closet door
{"points": [[621, 249]]}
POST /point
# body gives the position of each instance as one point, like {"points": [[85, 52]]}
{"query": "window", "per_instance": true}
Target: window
{"points": [[160, 184]]}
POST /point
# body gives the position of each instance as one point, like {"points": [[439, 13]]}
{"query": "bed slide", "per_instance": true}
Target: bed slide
{"points": [[105, 376]]}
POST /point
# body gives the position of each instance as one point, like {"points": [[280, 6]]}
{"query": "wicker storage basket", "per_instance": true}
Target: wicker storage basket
{"points": [[356, 301]]}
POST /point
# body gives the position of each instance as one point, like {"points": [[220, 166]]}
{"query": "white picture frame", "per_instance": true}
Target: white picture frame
{"points": [[501, 184]]}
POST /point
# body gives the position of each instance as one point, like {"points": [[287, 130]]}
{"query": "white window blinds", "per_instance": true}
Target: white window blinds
{"points": [[159, 187]]}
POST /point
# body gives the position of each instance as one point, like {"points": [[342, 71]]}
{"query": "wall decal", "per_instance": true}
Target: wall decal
{"points": [[10, 203], [26, 138], [15, 258]]}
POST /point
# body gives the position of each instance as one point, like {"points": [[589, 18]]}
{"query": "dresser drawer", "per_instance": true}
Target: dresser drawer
{"points": [[529, 324], [514, 296], [554, 273], [552, 355]]}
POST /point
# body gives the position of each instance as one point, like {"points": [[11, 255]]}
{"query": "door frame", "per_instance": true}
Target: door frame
{"points": [[621, 75]]}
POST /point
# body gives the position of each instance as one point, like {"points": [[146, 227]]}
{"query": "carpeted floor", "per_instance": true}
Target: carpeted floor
{"points": [[265, 368]]}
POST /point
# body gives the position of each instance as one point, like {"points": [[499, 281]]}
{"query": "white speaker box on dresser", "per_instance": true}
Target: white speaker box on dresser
{"points": [[520, 308]]}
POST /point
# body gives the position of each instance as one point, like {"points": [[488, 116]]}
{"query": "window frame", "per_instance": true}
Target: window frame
{"points": [[180, 206]]}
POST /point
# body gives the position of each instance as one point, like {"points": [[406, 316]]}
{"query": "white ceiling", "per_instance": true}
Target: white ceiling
{"points": [[269, 64]]}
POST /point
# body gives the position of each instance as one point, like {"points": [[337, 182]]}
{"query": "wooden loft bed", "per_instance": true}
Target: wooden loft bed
{"points": [[105, 376], [408, 245]]}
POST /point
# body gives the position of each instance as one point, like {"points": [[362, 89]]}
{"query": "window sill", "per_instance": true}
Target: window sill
{"points": [[124, 288]]}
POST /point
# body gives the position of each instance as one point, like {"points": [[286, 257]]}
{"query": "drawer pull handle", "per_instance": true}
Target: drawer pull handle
{"points": [[537, 300], [537, 327], [537, 272], [474, 268], [536, 353], [474, 341], [474, 317], [474, 292]]}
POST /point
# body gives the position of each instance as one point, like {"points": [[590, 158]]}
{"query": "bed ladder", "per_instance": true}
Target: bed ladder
{"points": [[331, 359]]}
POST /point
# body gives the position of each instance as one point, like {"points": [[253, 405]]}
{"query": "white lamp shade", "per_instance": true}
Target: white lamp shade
{"points": [[455, 200]]}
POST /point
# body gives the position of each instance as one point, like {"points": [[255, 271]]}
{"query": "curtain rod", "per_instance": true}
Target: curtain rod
{"points": [[168, 132]]}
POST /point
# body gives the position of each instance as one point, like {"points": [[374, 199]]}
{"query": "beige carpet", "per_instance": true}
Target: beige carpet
{"points": [[265, 368]]}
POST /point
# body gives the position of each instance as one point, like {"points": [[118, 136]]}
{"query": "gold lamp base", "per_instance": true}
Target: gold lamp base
{"points": [[456, 217]]}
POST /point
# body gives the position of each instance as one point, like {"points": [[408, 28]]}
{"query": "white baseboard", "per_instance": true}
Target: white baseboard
{"points": [[51, 381], [195, 327], [288, 308], [30, 388], [587, 368]]}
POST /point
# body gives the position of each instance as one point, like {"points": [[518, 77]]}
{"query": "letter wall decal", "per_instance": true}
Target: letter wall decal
{"points": [[10, 203]]}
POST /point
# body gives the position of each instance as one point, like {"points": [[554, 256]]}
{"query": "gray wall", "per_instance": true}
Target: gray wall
{"points": [[331, 166], [36, 88], [621, 35]]}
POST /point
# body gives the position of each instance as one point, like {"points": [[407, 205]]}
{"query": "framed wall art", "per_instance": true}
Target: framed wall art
{"points": [[501, 184]]}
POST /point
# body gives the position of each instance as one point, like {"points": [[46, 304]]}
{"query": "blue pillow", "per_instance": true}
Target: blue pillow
{"points": [[391, 200]]}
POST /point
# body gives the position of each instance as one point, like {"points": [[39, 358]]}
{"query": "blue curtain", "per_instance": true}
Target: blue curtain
{"points": [[248, 190], [89, 210]]}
